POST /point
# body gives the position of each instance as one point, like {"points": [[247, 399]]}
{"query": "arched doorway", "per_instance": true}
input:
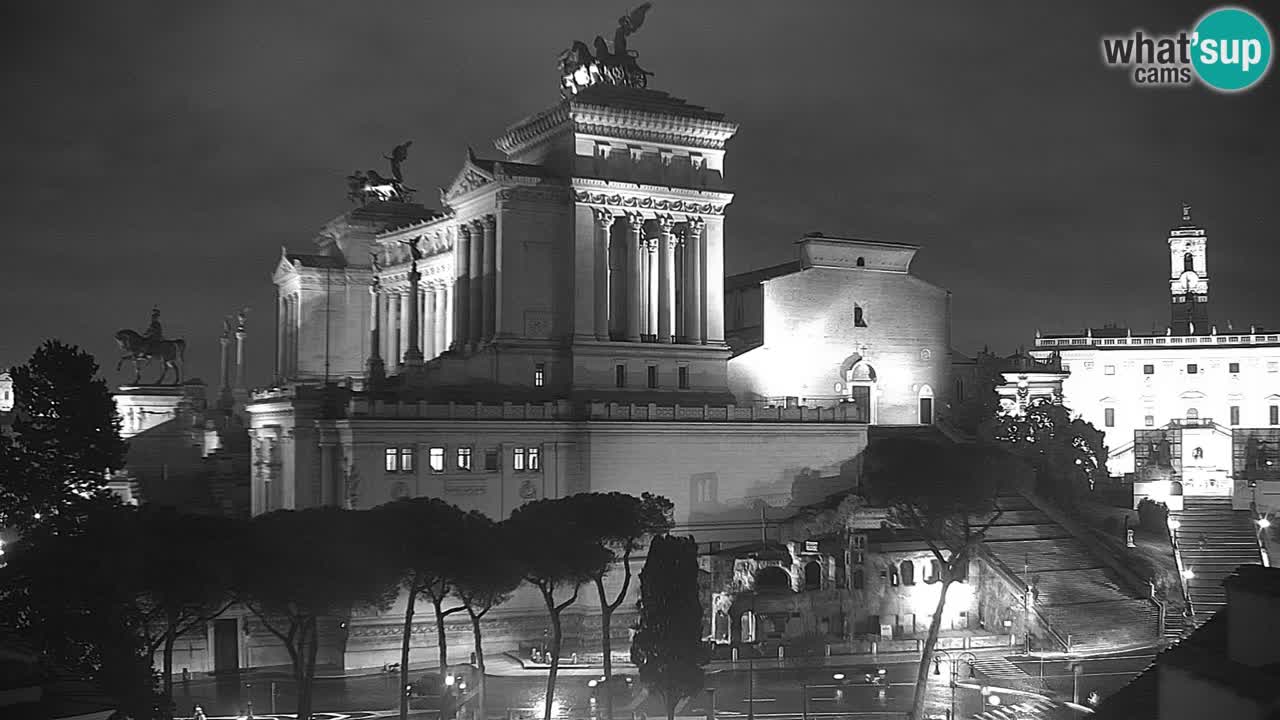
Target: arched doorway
{"points": [[772, 578], [925, 401], [858, 385], [813, 576]]}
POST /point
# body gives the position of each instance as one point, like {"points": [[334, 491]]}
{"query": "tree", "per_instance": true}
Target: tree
{"points": [[70, 590], [425, 544], [668, 647], [557, 553], [487, 579], [66, 438], [301, 566], [1068, 455], [619, 523], [948, 495]]}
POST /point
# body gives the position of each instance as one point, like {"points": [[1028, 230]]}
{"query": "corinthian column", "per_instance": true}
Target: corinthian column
{"points": [[490, 313], [666, 279], [376, 370], [695, 327], [635, 226], [651, 282], [413, 352], [462, 287], [441, 316], [393, 326], [603, 222], [429, 346], [406, 328], [475, 325]]}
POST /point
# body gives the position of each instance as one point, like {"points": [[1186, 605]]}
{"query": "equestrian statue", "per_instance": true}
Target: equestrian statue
{"points": [[141, 348]]}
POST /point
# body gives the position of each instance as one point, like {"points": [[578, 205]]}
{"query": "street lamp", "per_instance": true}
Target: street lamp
{"points": [[954, 663], [1188, 574]]}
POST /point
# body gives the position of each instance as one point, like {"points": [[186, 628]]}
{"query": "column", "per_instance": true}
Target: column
{"points": [[291, 358], [713, 280], [393, 328], [224, 376], [490, 313], [651, 278], [281, 323], [376, 369], [603, 224], [666, 279], [635, 225], [413, 322], [693, 308], [429, 345], [240, 359], [475, 270], [441, 314], [406, 324], [461, 294], [448, 319]]}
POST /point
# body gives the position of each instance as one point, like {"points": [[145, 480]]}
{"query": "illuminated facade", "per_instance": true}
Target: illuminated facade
{"points": [[1203, 382]]}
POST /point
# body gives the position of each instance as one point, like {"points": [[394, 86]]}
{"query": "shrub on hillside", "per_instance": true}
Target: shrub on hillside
{"points": [[1152, 515]]}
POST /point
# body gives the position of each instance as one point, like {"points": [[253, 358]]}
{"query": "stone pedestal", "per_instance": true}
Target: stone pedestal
{"points": [[145, 407]]}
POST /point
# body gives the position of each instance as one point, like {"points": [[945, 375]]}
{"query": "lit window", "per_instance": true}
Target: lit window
{"points": [[1109, 417], [1148, 369], [1192, 368], [1235, 414], [1149, 421], [1275, 414], [620, 375], [653, 376], [464, 458], [535, 459], [682, 377], [392, 460], [539, 374], [490, 460], [437, 459], [1233, 367], [406, 459], [1109, 369], [517, 459], [1066, 367]]}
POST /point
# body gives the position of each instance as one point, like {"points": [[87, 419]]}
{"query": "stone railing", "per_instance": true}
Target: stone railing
{"points": [[565, 411], [1214, 339]]}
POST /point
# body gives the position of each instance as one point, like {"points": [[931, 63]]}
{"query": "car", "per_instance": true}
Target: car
{"points": [[623, 687], [425, 692], [868, 675]]}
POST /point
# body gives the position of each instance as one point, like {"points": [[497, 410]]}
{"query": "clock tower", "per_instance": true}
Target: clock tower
{"points": [[1188, 278]]}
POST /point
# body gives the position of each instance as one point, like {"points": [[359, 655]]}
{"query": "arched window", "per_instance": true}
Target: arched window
{"points": [[722, 625], [859, 579], [862, 262], [858, 319], [1193, 414], [908, 573], [925, 398], [934, 572], [893, 576], [813, 576], [1188, 262]]}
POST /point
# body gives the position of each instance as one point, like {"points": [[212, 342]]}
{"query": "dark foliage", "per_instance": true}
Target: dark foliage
{"points": [[489, 576], [668, 649], [1153, 516], [1069, 456]]}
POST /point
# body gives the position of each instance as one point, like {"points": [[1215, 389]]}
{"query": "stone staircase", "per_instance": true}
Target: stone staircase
{"points": [[1214, 540], [1079, 596]]}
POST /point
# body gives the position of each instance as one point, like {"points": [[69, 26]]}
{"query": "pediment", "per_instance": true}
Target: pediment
{"points": [[284, 267], [1273, 397], [470, 177], [1192, 395]]}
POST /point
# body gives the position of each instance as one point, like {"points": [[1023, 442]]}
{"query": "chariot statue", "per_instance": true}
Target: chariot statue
{"points": [[369, 186], [580, 68], [141, 348]]}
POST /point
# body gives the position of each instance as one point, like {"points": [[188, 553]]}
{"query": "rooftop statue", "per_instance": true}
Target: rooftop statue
{"points": [[142, 347], [241, 318], [369, 186], [414, 250], [580, 69]]}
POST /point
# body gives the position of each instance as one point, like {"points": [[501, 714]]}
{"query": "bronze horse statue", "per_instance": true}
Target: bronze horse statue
{"points": [[139, 348]]}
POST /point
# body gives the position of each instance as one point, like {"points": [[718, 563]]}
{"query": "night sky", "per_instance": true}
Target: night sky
{"points": [[161, 153]]}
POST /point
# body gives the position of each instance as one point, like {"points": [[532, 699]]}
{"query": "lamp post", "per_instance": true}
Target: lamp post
{"points": [[954, 664]]}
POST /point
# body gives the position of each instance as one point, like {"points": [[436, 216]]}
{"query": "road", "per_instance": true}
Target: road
{"points": [[776, 692], [1101, 675]]}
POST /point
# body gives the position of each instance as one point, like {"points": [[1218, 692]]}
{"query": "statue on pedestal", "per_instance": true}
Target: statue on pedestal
{"points": [[142, 347], [580, 69], [365, 187]]}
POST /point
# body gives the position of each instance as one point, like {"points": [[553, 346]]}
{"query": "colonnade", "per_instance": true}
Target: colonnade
{"points": [[288, 324], [435, 333], [650, 278], [476, 283]]}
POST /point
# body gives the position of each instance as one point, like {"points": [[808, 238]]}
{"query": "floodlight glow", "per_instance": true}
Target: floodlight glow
{"points": [[1264, 523], [838, 676], [993, 699], [592, 683], [1188, 574], [448, 680], [1174, 524]]}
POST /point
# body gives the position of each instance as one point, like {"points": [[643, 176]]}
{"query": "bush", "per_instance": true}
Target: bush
{"points": [[1152, 515]]}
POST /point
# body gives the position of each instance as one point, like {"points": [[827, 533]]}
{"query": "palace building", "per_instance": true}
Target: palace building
{"points": [[558, 325], [1194, 410]]}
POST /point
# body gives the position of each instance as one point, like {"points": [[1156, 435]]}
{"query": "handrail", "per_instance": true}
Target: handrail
{"points": [[1182, 571], [1012, 578]]}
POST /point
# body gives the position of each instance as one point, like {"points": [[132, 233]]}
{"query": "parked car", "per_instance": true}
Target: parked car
{"points": [[622, 685], [426, 693], [868, 675]]}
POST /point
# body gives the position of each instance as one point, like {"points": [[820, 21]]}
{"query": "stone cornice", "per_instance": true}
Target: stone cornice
{"points": [[658, 199], [534, 129], [653, 126]]}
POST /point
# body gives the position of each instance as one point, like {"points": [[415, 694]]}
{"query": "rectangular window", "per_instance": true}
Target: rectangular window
{"points": [[517, 459], [1109, 369], [1109, 417], [1149, 421], [1066, 367], [392, 460], [464, 458], [1148, 369], [1275, 414], [1233, 367], [406, 459], [682, 377], [653, 376], [535, 459], [1235, 414], [539, 374], [1192, 368], [436, 459], [490, 460], [620, 375]]}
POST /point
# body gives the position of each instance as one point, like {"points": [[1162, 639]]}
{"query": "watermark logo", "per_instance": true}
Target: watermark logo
{"points": [[1229, 51]]}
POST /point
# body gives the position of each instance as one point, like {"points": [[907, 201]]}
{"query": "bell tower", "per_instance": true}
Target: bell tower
{"points": [[1188, 278]]}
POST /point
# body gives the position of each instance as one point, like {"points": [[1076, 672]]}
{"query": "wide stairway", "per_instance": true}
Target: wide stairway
{"points": [[1214, 540], [1078, 594]]}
